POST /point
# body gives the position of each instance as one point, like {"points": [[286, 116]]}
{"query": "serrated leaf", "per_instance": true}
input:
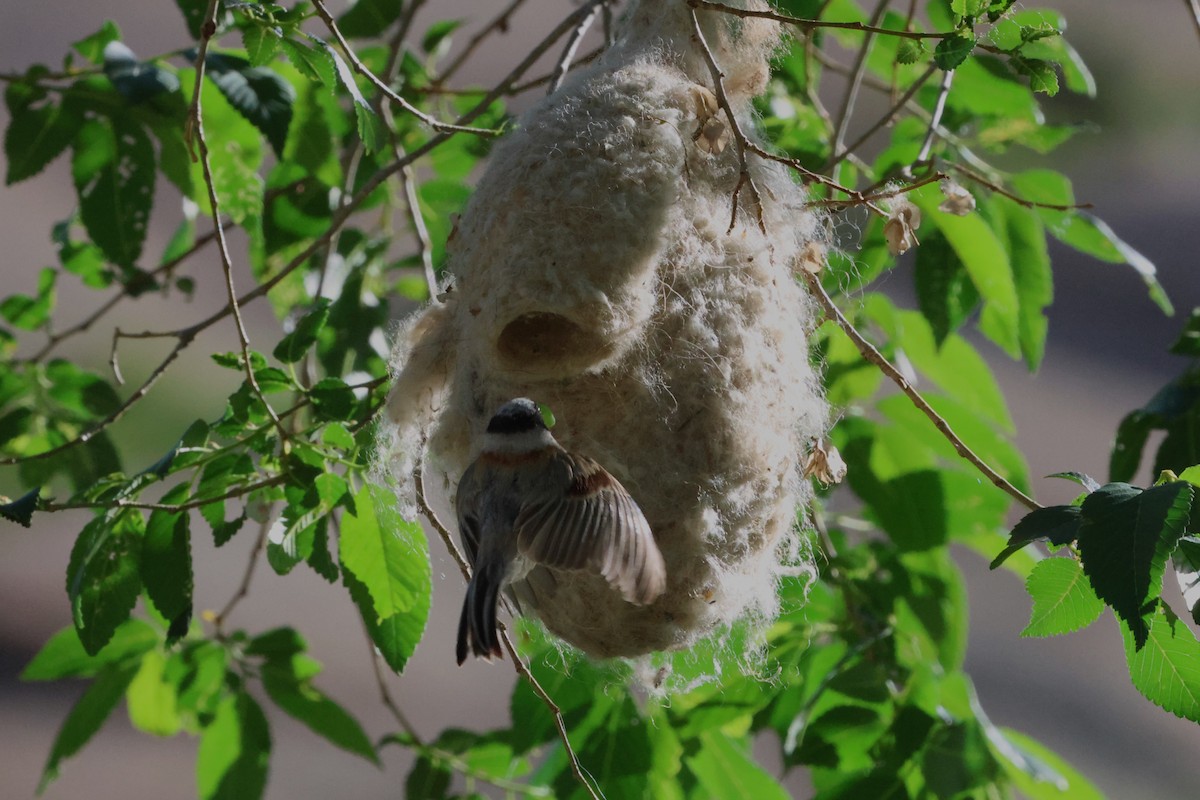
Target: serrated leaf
{"points": [[261, 42], [304, 702], [385, 565], [102, 578], [116, 188], [166, 564], [36, 136], [369, 18], [910, 51], [1057, 524], [86, 717], [259, 94], [1165, 668], [1030, 260], [1124, 540], [64, 657], [293, 346], [231, 762], [21, 510], [151, 698], [1063, 600], [313, 63], [1041, 74], [953, 50]]}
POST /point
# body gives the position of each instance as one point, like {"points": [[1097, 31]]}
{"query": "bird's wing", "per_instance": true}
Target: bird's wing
{"points": [[468, 522], [584, 519]]}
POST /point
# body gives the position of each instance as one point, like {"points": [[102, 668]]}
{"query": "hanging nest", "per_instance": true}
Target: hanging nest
{"points": [[596, 270]]}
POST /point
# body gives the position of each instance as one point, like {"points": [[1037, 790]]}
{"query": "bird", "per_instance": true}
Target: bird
{"points": [[524, 501]]}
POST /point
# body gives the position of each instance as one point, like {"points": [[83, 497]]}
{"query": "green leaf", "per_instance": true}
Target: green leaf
{"points": [[1041, 74], [1084, 231], [293, 346], [64, 657], [261, 43], [368, 19], [86, 717], [232, 760], [151, 698], [31, 313], [385, 562], [1038, 772], [370, 127], [1063, 600], [983, 256], [259, 94], [299, 698], [910, 51], [136, 81], [313, 63], [37, 135], [724, 769], [1124, 541], [193, 14], [437, 36], [1188, 343], [21, 510], [945, 293], [1165, 668], [166, 564], [953, 50], [1030, 260], [92, 47], [1083, 479], [332, 399], [1057, 524], [1186, 561], [102, 577], [115, 188]]}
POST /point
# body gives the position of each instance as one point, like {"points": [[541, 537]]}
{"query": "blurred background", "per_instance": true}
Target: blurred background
{"points": [[1106, 356]]}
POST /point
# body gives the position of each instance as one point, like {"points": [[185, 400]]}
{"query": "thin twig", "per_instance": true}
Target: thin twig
{"points": [[417, 220], [739, 137], [361, 69], [564, 61], [870, 197], [1000, 190], [243, 587], [935, 119], [185, 336], [499, 23], [886, 118], [856, 77], [518, 664], [196, 127], [809, 24], [241, 491], [871, 354]]}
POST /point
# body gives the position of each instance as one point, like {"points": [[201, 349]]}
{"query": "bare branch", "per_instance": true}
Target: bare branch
{"points": [[998, 189], [361, 69], [887, 117], [809, 24], [872, 355], [739, 136], [564, 61], [196, 127], [857, 73], [935, 119], [498, 25]]}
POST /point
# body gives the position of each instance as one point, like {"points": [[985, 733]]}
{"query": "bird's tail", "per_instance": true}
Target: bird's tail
{"points": [[477, 625]]}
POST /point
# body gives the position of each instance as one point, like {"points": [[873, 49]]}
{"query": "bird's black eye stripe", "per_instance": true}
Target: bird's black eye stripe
{"points": [[518, 416]]}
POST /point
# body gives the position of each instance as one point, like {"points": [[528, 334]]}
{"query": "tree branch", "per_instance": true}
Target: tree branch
{"points": [[873, 356]]}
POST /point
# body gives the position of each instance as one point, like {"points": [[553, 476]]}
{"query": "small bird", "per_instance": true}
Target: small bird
{"points": [[527, 501]]}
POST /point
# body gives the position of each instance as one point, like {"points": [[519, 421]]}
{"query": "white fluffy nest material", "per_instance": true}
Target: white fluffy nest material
{"points": [[594, 272]]}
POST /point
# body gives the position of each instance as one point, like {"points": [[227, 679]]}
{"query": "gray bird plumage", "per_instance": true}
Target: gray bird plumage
{"points": [[527, 501]]}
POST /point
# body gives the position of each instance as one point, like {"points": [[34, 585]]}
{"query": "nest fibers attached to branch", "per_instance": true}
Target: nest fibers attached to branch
{"points": [[596, 271]]}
